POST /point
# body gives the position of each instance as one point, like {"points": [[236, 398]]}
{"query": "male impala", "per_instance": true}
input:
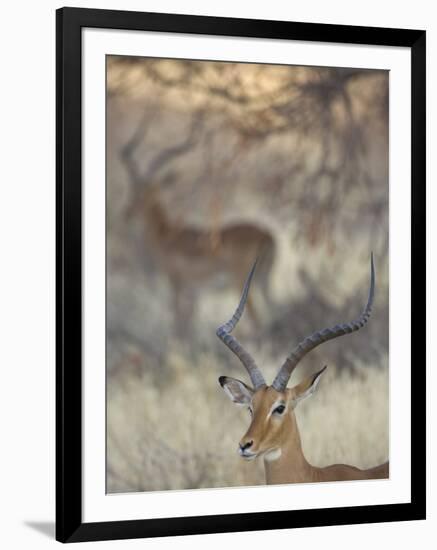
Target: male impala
{"points": [[273, 432]]}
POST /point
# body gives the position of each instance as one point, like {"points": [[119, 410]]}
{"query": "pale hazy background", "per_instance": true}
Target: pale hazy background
{"points": [[236, 157]]}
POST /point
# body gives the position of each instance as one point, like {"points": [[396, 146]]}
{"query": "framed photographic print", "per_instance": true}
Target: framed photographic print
{"points": [[240, 274]]}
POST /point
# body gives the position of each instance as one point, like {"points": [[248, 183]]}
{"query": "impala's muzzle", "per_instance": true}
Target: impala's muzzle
{"points": [[244, 450]]}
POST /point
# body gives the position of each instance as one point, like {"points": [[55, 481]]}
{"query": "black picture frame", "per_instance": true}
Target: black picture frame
{"points": [[69, 24]]}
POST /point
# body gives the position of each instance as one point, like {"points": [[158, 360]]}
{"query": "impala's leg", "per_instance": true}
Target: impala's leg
{"points": [[265, 255], [183, 308], [252, 312], [240, 278]]}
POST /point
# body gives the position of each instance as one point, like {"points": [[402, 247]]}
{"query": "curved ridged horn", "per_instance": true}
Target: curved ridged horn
{"points": [[224, 333], [283, 376]]}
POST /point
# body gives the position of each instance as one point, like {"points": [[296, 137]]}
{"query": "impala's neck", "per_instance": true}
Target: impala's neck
{"points": [[289, 465], [156, 218]]}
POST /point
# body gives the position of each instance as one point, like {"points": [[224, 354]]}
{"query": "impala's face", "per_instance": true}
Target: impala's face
{"points": [[271, 414], [269, 410]]}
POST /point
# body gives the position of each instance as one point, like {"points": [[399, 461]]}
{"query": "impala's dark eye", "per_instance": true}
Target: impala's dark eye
{"points": [[250, 411], [279, 410]]}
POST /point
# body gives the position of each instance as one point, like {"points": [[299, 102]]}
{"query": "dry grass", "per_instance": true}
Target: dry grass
{"points": [[182, 433]]}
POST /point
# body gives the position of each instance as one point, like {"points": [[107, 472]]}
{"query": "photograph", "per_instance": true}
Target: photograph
{"points": [[247, 274], [215, 221]]}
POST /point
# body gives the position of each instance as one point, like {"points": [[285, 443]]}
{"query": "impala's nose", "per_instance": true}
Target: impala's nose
{"points": [[244, 450], [247, 445]]}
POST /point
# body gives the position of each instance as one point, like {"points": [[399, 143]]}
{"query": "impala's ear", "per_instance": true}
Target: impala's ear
{"points": [[236, 390], [306, 388]]}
